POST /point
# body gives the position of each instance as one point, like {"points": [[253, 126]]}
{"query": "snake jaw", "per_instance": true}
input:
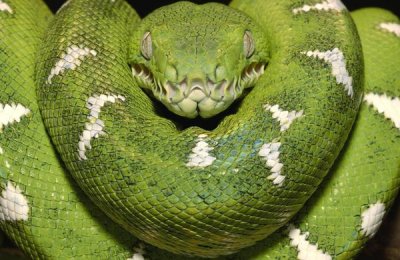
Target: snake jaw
{"points": [[252, 73], [198, 97], [143, 76]]}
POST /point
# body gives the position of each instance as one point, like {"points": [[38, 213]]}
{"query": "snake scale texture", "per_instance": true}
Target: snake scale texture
{"points": [[259, 130]]}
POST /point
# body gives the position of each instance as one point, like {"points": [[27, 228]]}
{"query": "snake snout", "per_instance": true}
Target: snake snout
{"points": [[198, 90], [198, 96]]}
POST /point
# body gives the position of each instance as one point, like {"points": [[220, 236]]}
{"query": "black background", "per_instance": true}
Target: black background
{"points": [[144, 8]]}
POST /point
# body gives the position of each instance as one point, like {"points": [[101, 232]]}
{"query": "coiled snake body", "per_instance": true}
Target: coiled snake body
{"points": [[278, 85]]}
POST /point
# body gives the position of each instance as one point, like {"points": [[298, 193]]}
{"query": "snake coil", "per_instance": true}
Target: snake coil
{"points": [[277, 91]]}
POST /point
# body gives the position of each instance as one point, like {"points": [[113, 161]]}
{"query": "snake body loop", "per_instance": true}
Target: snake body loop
{"points": [[221, 190]]}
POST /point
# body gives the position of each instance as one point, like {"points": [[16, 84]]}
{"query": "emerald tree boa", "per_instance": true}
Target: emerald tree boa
{"points": [[198, 131]]}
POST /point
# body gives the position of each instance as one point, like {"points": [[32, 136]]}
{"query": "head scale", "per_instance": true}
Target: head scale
{"points": [[197, 59]]}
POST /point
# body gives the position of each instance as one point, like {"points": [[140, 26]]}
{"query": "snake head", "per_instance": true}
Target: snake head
{"points": [[197, 59]]}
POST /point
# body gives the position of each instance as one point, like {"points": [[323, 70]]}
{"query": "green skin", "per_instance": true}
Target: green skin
{"points": [[225, 206], [61, 216], [198, 51]]}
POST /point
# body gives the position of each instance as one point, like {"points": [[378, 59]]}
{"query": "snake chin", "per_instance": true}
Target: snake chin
{"points": [[191, 98]]}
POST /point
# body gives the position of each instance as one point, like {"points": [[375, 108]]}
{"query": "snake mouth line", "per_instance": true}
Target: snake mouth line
{"points": [[198, 97]]}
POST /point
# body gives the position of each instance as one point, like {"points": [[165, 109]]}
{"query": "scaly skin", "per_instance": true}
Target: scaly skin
{"points": [[367, 172], [197, 58], [59, 215], [231, 199], [142, 170]]}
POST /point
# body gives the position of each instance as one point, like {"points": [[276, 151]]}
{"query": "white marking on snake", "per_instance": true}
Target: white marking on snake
{"points": [[335, 5], [71, 59], [306, 250], [139, 251], [371, 219], [13, 204], [336, 58], [5, 7], [388, 106], [285, 118], [270, 153], [200, 156], [11, 113], [136, 256], [391, 27], [94, 128]]}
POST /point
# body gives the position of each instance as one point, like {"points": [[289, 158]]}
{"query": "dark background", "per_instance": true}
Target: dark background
{"points": [[144, 8]]}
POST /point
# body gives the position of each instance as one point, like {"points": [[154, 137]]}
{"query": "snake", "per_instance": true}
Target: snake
{"points": [[258, 130]]}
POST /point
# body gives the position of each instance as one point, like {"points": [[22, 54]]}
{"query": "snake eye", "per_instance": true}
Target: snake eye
{"points": [[248, 44], [147, 46]]}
